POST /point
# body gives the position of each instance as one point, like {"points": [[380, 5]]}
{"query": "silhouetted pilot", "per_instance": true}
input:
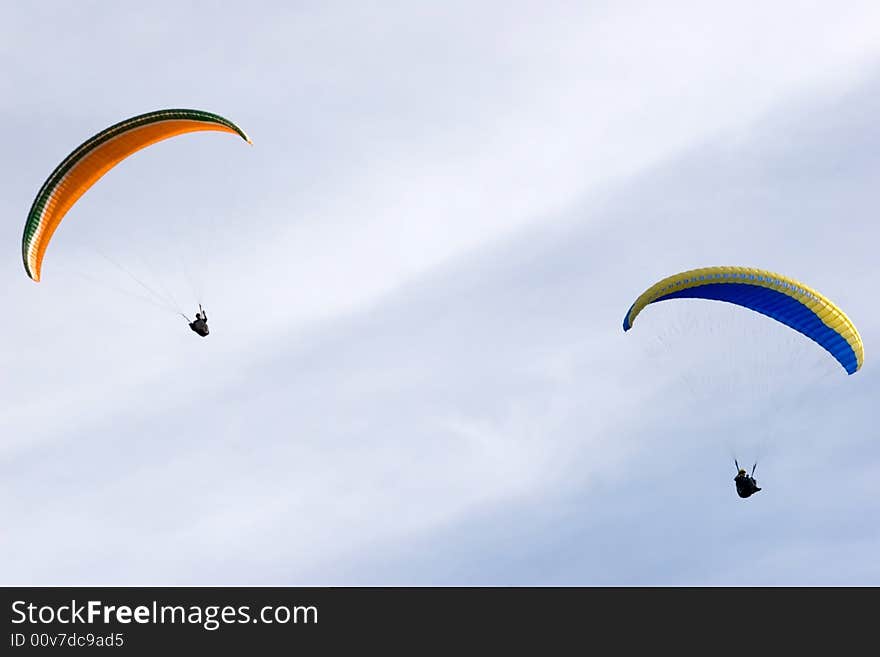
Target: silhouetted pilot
{"points": [[745, 483], [200, 325]]}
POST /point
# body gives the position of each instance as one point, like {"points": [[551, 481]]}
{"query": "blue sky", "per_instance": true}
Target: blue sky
{"points": [[416, 278]]}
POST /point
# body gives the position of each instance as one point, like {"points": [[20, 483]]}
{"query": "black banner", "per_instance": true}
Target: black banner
{"points": [[113, 620]]}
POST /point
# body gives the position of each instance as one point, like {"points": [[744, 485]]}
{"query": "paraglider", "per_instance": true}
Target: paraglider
{"points": [[779, 297], [95, 157], [200, 324], [746, 485]]}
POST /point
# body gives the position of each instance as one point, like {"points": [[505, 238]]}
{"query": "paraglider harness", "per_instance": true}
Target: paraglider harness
{"points": [[200, 325], [746, 485]]}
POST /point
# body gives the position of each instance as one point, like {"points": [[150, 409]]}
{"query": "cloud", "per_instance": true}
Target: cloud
{"points": [[416, 371]]}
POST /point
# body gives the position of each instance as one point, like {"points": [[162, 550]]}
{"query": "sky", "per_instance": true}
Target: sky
{"points": [[415, 280]]}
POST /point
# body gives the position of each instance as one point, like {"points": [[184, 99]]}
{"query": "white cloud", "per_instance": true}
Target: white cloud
{"points": [[417, 273]]}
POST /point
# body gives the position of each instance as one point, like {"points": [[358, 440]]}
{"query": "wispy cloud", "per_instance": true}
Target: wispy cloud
{"points": [[416, 276]]}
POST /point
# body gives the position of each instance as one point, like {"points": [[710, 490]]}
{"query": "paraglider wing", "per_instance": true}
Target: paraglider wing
{"points": [[784, 299], [85, 166]]}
